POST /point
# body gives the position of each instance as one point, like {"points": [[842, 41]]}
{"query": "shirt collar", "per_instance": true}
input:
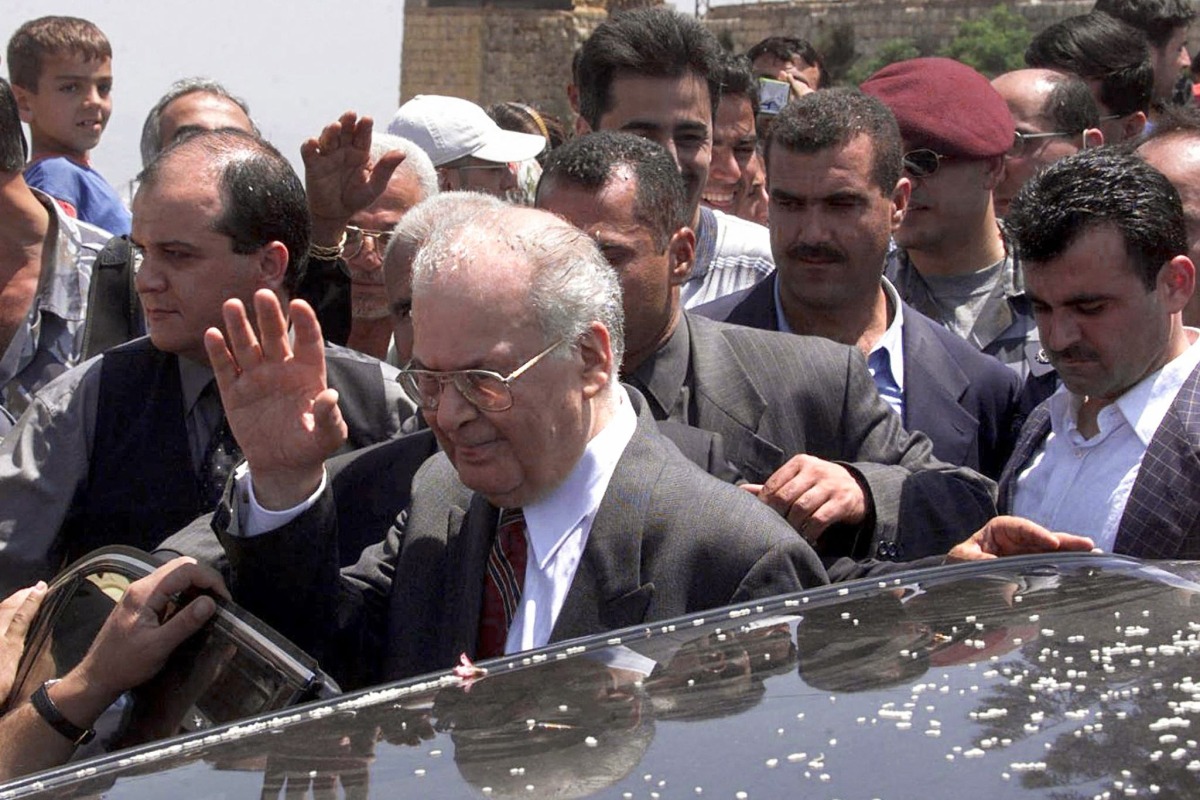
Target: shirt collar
{"points": [[553, 518], [892, 341], [193, 378], [662, 375], [1146, 404]]}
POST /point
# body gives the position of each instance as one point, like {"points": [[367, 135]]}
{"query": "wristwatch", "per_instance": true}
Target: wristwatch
{"points": [[54, 718]]}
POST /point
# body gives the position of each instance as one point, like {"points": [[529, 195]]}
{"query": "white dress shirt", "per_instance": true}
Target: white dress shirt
{"points": [[1080, 485], [558, 526]]}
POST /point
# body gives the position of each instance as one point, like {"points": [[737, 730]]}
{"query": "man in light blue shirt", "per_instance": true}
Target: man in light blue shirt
{"points": [[836, 196]]}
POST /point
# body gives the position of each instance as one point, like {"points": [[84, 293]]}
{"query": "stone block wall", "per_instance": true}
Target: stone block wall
{"points": [[489, 53], [874, 21]]}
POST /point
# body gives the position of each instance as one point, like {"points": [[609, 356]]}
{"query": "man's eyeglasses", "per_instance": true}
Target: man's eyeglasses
{"points": [[922, 163], [1026, 143], [482, 388], [356, 237], [491, 167]]}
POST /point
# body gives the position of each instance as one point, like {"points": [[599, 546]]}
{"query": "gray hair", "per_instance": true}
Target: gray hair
{"points": [[152, 143], [416, 162], [439, 210], [571, 287]]}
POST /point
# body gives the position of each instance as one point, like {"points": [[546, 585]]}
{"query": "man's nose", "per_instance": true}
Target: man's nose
{"points": [[453, 409], [368, 259], [146, 276], [1058, 330], [724, 167]]}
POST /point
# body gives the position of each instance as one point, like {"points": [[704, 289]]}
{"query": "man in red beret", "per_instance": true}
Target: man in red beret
{"points": [[951, 261]]}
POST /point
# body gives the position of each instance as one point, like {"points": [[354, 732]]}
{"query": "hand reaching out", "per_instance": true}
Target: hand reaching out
{"points": [[1014, 536]]}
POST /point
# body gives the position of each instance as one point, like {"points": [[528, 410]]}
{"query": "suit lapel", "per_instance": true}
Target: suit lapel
{"points": [[1035, 429], [757, 310], [607, 592], [1162, 516], [933, 386], [726, 402], [469, 534]]}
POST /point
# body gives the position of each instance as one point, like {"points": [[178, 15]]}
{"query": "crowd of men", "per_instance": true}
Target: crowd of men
{"points": [[738, 346]]}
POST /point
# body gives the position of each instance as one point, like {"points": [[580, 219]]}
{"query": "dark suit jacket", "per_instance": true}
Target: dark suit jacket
{"points": [[667, 540], [772, 396], [373, 485], [964, 401], [1162, 516]]}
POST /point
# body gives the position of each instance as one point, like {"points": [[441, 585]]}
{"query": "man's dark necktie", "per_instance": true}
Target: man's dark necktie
{"points": [[220, 457], [503, 584]]}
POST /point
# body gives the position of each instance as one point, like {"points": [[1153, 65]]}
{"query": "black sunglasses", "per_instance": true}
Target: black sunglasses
{"points": [[922, 163]]}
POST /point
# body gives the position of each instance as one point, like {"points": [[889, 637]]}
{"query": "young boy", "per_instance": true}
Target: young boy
{"points": [[61, 74]]}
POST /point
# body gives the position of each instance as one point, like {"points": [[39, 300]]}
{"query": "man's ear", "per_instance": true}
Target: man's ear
{"points": [[1177, 283], [900, 196], [1093, 138], [444, 180], [582, 128], [24, 107], [272, 265], [681, 253], [1133, 125], [993, 172], [595, 348]]}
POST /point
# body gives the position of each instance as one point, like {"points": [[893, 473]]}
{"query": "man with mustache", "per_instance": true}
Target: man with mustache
{"points": [[1113, 453], [836, 195], [799, 416]]}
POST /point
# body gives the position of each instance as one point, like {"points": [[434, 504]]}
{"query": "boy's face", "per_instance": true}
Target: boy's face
{"points": [[71, 106]]}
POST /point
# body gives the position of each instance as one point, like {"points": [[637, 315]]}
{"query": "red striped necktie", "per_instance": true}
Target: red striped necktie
{"points": [[503, 584]]}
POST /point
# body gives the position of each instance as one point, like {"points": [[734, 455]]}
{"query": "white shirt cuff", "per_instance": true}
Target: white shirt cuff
{"points": [[253, 519]]}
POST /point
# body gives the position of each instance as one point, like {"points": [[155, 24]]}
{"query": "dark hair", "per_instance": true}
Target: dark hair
{"points": [[152, 142], [653, 42], [262, 198], [833, 117], [13, 149], [1093, 188], [1098, 47], [785, 48], [1070, 106], [660, 201], [45, 36], [1158, 19], [522, 118], [737, 79]]}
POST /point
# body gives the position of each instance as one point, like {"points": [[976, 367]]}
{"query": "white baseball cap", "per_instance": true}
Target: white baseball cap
{"points": [[450, 128]]}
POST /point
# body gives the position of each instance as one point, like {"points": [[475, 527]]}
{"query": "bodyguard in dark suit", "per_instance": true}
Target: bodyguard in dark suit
{"points": [[798, 415], [1115, 455], [833, 173], [517, 334]]}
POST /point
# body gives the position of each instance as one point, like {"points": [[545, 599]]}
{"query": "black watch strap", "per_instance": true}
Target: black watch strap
{"points": [[54, 718]]}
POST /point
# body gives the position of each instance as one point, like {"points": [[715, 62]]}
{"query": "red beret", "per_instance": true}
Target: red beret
{"points": [[946, 106]]}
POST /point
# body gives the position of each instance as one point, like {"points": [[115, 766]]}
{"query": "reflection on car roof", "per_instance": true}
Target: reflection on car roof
{"points": [[1045, 676]]}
